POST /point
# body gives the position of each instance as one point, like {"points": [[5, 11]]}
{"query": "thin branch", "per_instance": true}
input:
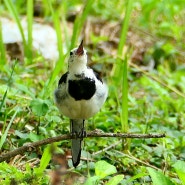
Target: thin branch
{"points": [[107, 148], [97, 133], [136, 159], [157, 79], [28, 147]]}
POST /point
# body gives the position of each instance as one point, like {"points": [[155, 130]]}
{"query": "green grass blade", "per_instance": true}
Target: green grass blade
{"points": [[2, 48], [121, 71], [124, 116], [124, 110], [4, 135], [60, 63], [124, 29], [56, 21], [79, 22], [30, 24], [13, 11], [3, 100], [5, 94]]}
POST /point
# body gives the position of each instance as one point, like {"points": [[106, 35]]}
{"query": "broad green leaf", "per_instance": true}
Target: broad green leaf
{"points": [[115, 180], [139, 175], [21, 135], [180, 169], [39, 107], [158, 178], [34, 137], [103, 169], [92, 180]]}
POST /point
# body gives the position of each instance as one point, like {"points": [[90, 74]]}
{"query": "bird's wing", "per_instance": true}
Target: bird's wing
{"points": [[98, 76], [63, 78], [60, 93]]}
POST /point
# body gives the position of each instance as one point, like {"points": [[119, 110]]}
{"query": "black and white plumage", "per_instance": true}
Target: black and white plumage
{"points": [[79, 96]]}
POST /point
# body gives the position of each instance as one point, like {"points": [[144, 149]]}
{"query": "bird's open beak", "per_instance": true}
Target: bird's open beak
{"points": [[80, 50]]}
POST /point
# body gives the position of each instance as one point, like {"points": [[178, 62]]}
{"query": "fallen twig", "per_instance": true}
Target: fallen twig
{"points": [[28, 147], [136, 159], [107, 148]]}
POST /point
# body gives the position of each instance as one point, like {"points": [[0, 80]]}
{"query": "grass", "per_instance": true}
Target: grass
{"points": [[118, 72], [2, 49], [60, 63], [79, 23], [15, 15], [5, 133], [30, 24], [141, 99], [124, 113]]}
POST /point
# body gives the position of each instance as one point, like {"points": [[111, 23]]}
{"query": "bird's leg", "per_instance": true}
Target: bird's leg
{"points": [[77, 129], [83, 133]]}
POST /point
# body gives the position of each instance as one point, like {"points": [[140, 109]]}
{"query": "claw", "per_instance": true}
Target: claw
{"points": [[80, 135], [74, 135]]}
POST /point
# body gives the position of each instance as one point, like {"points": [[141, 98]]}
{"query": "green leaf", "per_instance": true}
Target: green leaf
{"points": [[39, 107], [46, 157], [34, 137], [21, 135], [180, 169], [12, 172], [92, 180], [115, 180], [103, 169], [133, 178], [159, 178]]}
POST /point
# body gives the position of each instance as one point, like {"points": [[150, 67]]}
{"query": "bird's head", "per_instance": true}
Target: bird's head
{"points": [[78, 55]]}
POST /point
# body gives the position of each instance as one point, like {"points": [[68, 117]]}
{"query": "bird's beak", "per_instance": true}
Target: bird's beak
{"points": [[80, 50]]}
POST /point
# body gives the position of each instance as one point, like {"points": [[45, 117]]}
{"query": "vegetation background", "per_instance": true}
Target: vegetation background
{"points": [[138, 46]]}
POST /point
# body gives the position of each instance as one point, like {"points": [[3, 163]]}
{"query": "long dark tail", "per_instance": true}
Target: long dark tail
{"points": [[77, 129]]}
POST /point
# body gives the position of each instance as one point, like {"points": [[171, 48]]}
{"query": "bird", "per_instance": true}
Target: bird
{"points": [[80, 95]]}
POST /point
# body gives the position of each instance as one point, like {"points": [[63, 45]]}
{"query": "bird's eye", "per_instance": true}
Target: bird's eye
{"points": [[71, 53]]}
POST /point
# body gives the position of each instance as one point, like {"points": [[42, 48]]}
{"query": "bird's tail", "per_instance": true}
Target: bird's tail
{"points": [[77, 130]]}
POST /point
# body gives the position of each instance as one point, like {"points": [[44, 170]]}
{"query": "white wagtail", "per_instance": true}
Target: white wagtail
{"points": [[79, 96]]}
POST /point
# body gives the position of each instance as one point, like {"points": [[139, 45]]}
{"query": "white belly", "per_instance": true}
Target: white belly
{"points": [[82, 109]]}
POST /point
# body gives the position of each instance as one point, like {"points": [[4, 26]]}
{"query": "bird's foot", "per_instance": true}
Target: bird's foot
{"points": [[74, 135], [80, 134]]}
